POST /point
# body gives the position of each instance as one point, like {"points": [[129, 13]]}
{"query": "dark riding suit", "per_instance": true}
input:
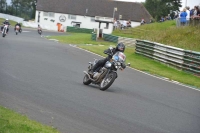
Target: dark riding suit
{"points": [[19, 26], [101, 62]]}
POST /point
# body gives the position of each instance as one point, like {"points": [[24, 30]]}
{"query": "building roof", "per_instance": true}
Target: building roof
{"points": [[129, 10]]}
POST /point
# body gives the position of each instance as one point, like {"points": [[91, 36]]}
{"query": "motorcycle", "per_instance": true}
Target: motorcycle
{"points": [[39, 31], [106, 74], [17, 29], [4, 31]]}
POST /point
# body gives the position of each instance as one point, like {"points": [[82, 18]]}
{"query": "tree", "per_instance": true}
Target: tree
{"points": [[24, 8], [159, 8], [3, 6]]}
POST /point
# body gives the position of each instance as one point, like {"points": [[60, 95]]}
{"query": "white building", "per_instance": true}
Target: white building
{"points": [[90, 14]]}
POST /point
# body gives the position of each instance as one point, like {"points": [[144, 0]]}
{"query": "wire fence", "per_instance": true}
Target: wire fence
{"points": [[195, 21]]}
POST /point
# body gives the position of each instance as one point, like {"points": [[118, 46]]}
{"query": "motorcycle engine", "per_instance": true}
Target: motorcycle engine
{"points": [[97, 74]]}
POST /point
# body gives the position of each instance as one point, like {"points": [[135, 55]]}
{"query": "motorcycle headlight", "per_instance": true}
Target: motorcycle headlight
{"points": [[116, 67]]}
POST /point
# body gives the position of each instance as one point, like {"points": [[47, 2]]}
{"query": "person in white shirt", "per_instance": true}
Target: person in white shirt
{"points": [[188, 15]]}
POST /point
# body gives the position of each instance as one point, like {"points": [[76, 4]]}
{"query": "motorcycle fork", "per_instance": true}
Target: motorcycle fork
{"points": [[107, 73]]}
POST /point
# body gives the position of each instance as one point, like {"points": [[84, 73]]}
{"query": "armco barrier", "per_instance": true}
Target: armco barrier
{"points": [[117, 39], [183, 59], [110, 38], [127, 41], [78, 30]]}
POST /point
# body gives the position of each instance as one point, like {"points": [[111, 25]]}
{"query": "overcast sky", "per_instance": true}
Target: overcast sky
{"points": [[190, 3]]}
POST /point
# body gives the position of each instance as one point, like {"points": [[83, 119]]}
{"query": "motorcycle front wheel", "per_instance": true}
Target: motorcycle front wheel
{"points": [[3, 33], [86, 80], [108, 81]]}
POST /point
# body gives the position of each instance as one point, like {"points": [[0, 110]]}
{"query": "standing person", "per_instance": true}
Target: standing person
{"points": [[188, 15], [142, 22], [183, 17], [196, 10], [115, 24]]}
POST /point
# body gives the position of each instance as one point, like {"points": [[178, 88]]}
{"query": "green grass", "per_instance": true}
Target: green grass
{"points": [[137, 61], [167, 33], [11, 122], [80, 38]]}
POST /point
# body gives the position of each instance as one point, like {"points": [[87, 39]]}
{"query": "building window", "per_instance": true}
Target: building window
{"points": [[92, 19], [48, 14], [72, 17], [51, 14], [45, 14]]}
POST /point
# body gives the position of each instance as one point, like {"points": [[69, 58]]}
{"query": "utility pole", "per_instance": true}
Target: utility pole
{"points": [[185, 3]]}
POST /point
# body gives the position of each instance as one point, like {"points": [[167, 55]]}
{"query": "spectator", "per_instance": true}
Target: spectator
{"points": [[129, 23], [124, 24], [195, 11], [142, 22], [188, 15], [183, 17], [115, 24]]}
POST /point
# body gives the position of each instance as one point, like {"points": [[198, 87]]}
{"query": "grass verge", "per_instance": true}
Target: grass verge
{"points": [[11, 122], [185, 37], [137, 61]]}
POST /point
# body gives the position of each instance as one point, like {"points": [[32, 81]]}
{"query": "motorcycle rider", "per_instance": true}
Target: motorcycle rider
{"points": [[6, 22], [39, 27], [120, 47], [18, 24]]}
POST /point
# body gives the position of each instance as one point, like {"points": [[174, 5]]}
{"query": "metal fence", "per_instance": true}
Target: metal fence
{"points": [[110, 38], [191, 22], [79, 30], [183, 59]]}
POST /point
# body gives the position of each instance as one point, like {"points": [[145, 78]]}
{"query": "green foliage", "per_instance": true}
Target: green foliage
{"points": [[3, 6], [161, 8], [21, 8]]}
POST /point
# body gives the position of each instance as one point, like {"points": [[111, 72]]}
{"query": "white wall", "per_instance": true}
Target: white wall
{"points": [[85, 22]]}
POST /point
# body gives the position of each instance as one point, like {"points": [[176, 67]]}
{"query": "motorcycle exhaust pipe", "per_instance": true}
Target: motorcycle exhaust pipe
{"points": [[89, 76]]}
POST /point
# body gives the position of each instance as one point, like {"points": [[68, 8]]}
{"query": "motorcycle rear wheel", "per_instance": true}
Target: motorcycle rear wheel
{"points": [[106, 83], [86, 80]]}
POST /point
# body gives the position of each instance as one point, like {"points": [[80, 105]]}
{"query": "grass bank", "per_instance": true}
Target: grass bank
{"points": [[185, 37], [137, 61], [11, 122]]}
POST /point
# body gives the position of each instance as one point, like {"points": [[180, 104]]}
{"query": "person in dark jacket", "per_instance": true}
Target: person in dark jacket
{"points": [[6, 22], [110, 52]]}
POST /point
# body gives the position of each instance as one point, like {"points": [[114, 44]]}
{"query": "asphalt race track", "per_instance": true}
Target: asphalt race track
{"points": [[42, 79]]}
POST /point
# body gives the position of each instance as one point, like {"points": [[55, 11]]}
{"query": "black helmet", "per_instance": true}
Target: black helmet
{"points": [[120, 47]]}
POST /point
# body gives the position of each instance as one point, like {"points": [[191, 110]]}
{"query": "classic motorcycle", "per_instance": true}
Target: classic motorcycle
{"points": [[4, 31], [17, 30], [106, 74], [39, 31]]}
